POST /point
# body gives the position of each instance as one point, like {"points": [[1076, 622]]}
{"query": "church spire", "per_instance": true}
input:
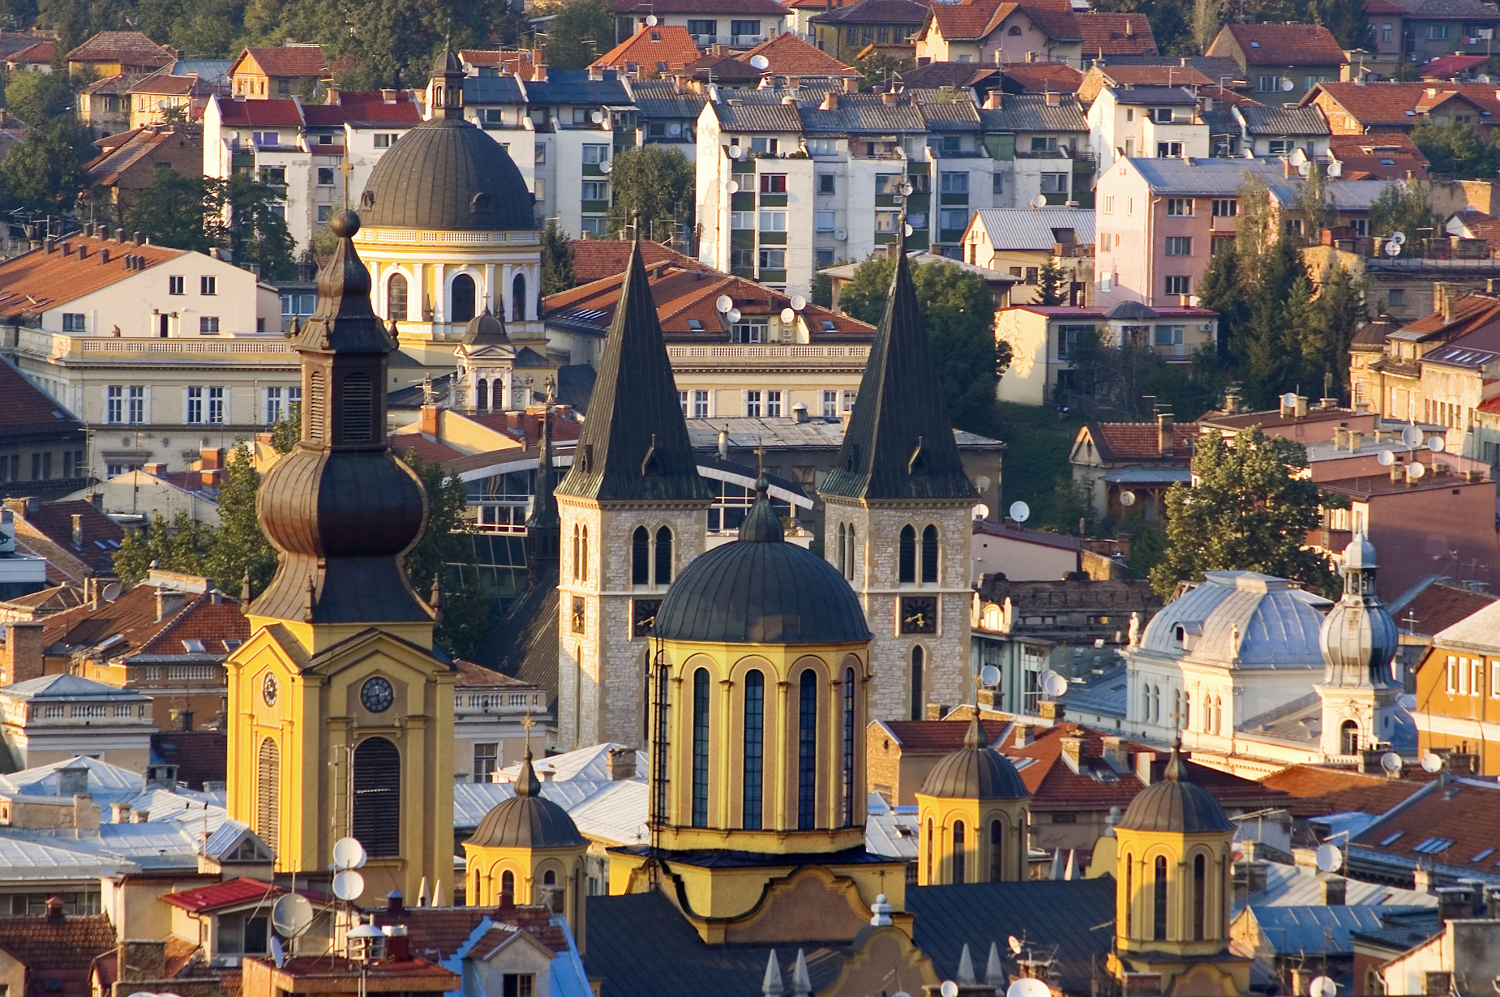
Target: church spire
{"points": [[635, 444], [900, 441], [543, 531]]}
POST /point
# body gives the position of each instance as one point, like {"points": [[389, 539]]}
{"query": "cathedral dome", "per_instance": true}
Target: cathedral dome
{"points": [[1358, 638], [526, 820], [975, 772], [761, 590], [447, 174], [1176, 805], [1240, 618]]}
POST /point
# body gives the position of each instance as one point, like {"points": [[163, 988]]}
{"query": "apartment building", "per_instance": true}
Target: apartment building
{"points": [[739, 24], [1278, 131], [1458, 690], [1359, 108], [1020, 241], [846, 30], [119, 53], [1283, 61], [41, 446], [1127, 122]]}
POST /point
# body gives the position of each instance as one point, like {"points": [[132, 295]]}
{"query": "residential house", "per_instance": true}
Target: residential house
{"points": [[1285, 61], [1428, 608], [739, 24], [1358, 109], [77, 541], [104, 105], [119, 53], [989, 32], [52, 945], [1377, 156], [41, 446], [1439, 837], [901, 753], [1108, 74], [1385, 370], [519, 63], [1042, 337], [155, 488], [1279, 130], [55, 717], [1458, 377], [1000, 284], [1033, 77], [1452, 68], [596, 259], [962, 76], [37, 57], [24, 588], [792, 62], [845, 31], [296, 68], [1109, 36], [491, 711], [1019, 554], [721, 67], [651, 51], [1428, 29], [1020, 241], [1462, 952], [1143, 459], [1458, 690], [1294, 941], [1150, 121], [166, 96], [132, 166]]}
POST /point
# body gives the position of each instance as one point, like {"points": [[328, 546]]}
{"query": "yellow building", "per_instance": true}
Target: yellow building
{"points": [[341, 713], [1458, 691], [972, 818], [1173, 870]]}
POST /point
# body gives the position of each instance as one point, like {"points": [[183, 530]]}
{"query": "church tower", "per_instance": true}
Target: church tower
{"points": [[897, 521], [1358, 640], [632, 513], [487, 360], [340, 707], [972, 818]]}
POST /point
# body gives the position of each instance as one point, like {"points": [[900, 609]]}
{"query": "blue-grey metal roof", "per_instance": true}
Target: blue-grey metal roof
{"points": [[493, 90], [1104, 694], [1284, 120], [1155, 96], [1204, 177], [1148, 475], [573, 86], [70, 687], [741, 116], [212, 71], [1345, 195], [656, 100], [1318, 930], [1246, 620], [1034, 112], [862, 113], [1035, 228]]}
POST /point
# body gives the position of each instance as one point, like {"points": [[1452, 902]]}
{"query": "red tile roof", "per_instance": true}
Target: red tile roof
{"points": [[1361, 155], [514, 63], [1450, 65], [1144, 76], [54, 522], [202, 619], [286, 60], [1115, 34], [107, 169], [1436, 606], [248, 113], [39, 281], [26, 410], [1376, 104], [1466, 314], [967, 21], [1140, 440], [431, 451], [129, 48], [789, 55], [1316, 791], [471, 674], [939, 736], [436, 933], [1287, 44], [57, 955], [526, 427], [208, 898], [659, 49], [360, 105], [41, 52], [1453, 824], [595, 259], [1043, 77]]}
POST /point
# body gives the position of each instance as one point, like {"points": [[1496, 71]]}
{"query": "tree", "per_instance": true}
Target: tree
{"points": [[171, 212], [581, 31], [286, 431], [1270, 352], [877, 68], [1223, 289], [1255, 231], [178, 546], [249, 223], [37, 98], [1051, 283], [446, 550], [1337, 314], [1458, 150], [1248, 512], [1402, 207], [557, 259], [657, 181], [45, 172], [1346, 19], [239, 544], [1313, 203]]}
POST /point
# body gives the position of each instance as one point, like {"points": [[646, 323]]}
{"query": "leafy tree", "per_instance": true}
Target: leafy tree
{"points": [[1051, 283], [1346, 19], [557, 259], [199, 213], [1337, 314], [657, 181], [1224, 290], [286, 431], [1402, 207], [239, 543], [960, 322], [1313, 203], [37, 98], [1457, 149], [1249, 512], [1255, 232], [581, 32], [446, 549], [1114, 376], [176, 546], [877, 68], [171, 211], [45, 172]]}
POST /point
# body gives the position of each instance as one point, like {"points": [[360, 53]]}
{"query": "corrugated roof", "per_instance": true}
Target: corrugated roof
{"points": [[1283, 120], [1316, 929], [740, 116], [1203, 177], [1035, 228], [1034, 113], [863, 114]]}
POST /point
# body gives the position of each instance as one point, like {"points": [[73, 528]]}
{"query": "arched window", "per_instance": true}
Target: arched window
{"points": [[1129, 895], [518, 298], [1187, 711], [918, 706], [481, 395], [958, 853], [1200, 898], [1156, 704], [700, 748], [377, 796], [929, 851], [268, 794], [1176, 707], [930, 554], [559, 894], [997, 851], [807, 750], [1146, 703], [583, 567], [1218, 715], [576, 560], [848, 747], [908, 559], [508, 884], [355, 413], [755, 721], [463, 299], [663, 556], [640, 557], [1348, 738], [1015, 30], [395, 298], [843, 551], [1159, 901], [852, 556]]}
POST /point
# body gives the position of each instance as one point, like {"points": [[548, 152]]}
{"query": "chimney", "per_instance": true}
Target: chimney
{"points": [[1398, 472], [155, 468], [1444, 294], [1143, 760], [1301, 977], [168, 602], [1053, 99], [120, 236], [851, 84], [103, 255], [621, 764], [992, 101], [77, 531], [1286, 171], [1332, 889], [23, 652], [1023, 736], [1369, 762], [139, 239], [888, 98], [1455, 903], [1129, 27], [1164, 433], [1231, 403], [397, 943], [1356, 440], [83, 251], [210, 459], [1299, 407], [830, 101], [182, 720], [1340, 437], [799, 412], [73, 779], [1051, 709], [394, 902], [387, 95], [1073, 753], [430, 420], [55, 910], [724, 443], [539, 73], [119, 812], [1114, 753]]}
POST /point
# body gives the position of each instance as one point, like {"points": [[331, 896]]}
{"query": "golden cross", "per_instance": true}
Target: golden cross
{"points": [[760, 456], [528, 723], [345, 168]]}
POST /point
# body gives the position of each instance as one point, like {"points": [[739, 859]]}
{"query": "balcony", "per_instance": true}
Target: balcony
{"points": [[792, 356], [249, 348]]}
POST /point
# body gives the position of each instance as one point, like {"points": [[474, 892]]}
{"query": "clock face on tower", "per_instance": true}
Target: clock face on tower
{"points": [[268, 689], [377, 695]]}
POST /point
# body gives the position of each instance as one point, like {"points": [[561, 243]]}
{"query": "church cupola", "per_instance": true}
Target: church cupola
{"points": [[972, 816], [445, 92], [1358, 640]]}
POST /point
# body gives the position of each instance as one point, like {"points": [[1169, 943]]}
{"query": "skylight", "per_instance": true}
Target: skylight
{"points": [[1387, 162], [1433, 846], [1391, 838], [1255, 44], [193, 646], [695, 325], [828, 325], [1483, 855]]}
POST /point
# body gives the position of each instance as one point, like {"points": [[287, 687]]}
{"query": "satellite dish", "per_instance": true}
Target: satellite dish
{"points": [[278, 954], [1020, 511], [1127, 498], [1417, 471], [111, 592], [291, 915], [1437, 444], [980, 511], [1286, 85], [906, 229], [348, 853], [1393, 249], [948, 989], [735, 152], [989, 676], [1015, 944], [1391, 762], [348, 885], [1386, 458], [1053, 684], [650, 20], [1329, 858], [1411, 436], [1431, 762], [734, 315], [1322, 987], [674, 129], [1040, 201], [1335, 169], [1289, 400], [597, 117], [1304, 169], [840, 234], [760, 62], [788, 316], [605, 167], [1028, 986], [1399, 238], [732, 187], [798, 302], [723, 303], [1297, 158]]}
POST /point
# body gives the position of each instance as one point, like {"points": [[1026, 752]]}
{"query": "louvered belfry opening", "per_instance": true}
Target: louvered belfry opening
{"points": [[377, 796], [268, 794]]}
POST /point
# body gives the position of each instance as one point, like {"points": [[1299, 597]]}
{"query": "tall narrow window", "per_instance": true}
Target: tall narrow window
{"points": [[463, 299], [640, 557], [1129, 895], [1200, 900], [843, 557], [268, 794], [1176, 707], [848, 747], [958, 853], [583, 567], [700, 748], [908, 557], [313, 424], [395, 298], [930, 847], [663, 556], [1159, 901], [576, 561], [1187, 711], [918, 707], [482, 395], [355, 417], [755, 719], [807, 750], [659, 752], [930, 554], [997, 851], [508, 883], [518, 298], [377, 796]]}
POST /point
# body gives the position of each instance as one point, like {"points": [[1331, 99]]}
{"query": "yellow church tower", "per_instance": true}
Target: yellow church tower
{"points": [[1173, 870], [972, 817], [340, 707]]}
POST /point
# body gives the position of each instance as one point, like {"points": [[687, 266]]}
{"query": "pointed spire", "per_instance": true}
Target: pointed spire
{"points": [[635, 443], [761, 524], [772, 986], [1176, 771], [345, 321], [974, 736], [527, 784], [543, 537], [437, 894], [801, 982], [966, 968], [422, 894], [900, 441], [994, 970], [1071, 872], [437, 597], [1056, 872], [446, 89]]}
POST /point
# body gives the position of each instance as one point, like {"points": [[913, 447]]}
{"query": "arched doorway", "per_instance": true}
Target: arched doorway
{"points": [[1348, 738]]}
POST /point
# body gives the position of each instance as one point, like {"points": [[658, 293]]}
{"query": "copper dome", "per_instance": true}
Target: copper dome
{"points": [[526, 820], [975, 772], [1176, 805]]}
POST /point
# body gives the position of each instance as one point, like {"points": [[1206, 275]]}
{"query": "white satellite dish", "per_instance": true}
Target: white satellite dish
{"points": [[1411, 436], [1028, 986], [948, 989], [840, 234], [788, 316], [348, 853], [907, 230], [1127, 498], [1399, 238], [1322, 987], [1053, 684], [1329, 858], [733, 315], [1391, 762], [1437, 444], [1417, 471], [597, 117], [798, 302], [1020, 511], [1335, 169], [1386, 458], [735, 152], [1297, 158], [732, 187], [674, 129], [1289, 400], [650, 20], [980, 511], [605, 167], [1040, 201], [1015, 945], [989, 676], [1393, 249], [278, 954], [760, 62], [291, 915], [723, 303], [111, 592], [1286, 85], [1431, 762], [348, 885], [1304, 169]]}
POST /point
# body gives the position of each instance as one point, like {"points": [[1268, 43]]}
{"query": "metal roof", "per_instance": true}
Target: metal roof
{"points": [[1299, 885], [751, 116], [1283, 120], [1034, 228], [1153, 95], [859, 114], [1317, 929], [69, 687], [573, 86], [1251, 620], [1345, 195], [1204, 177], [1034, 112], [446, 173], [493, 90]]}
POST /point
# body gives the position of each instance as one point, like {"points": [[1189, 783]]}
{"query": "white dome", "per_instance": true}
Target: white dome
{"points": [[1254, 621]]}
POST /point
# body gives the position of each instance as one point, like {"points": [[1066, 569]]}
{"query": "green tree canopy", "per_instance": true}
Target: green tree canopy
{"points": [[1248, 512], [557, 259], [581, 32], [1051, 283], [657, 181], [45, 172], [199, 213], [37, 98], [179, 545], [239, 544], [1457, 149], [1402, 207], [877, 68]]}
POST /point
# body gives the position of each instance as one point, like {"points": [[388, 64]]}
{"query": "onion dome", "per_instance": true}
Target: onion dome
{"points": [[1176, 804], [975, 772], [1358, 638], [341, 509], [761, 590], [526, 820], [485, 329]]}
